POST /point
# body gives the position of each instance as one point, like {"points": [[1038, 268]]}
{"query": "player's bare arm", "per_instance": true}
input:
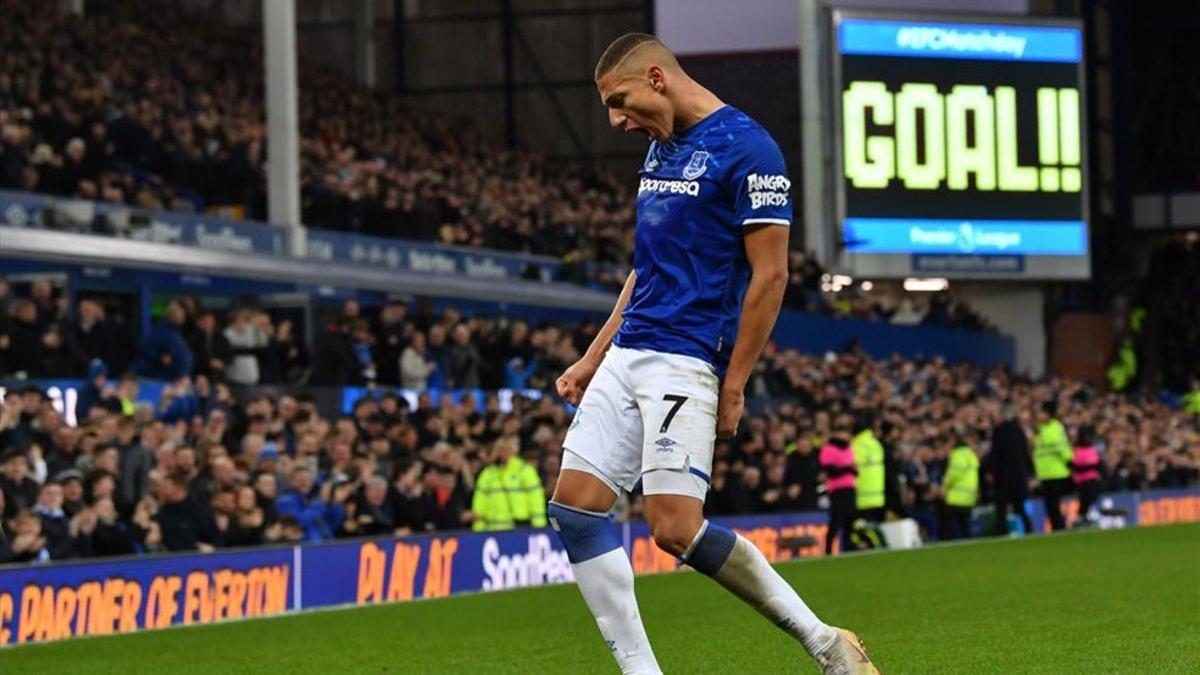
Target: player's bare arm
{"points": [[574, 380], [766, 251]]}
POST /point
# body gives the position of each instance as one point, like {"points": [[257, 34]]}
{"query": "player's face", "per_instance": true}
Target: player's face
{"points": [[635, 105]]}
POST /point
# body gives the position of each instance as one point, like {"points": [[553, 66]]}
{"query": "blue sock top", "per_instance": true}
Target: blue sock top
{"points": [[585, 534], [713, 549]]}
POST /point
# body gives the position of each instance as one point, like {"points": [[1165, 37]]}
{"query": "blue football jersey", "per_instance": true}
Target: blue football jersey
{"points": [[697, 193]]}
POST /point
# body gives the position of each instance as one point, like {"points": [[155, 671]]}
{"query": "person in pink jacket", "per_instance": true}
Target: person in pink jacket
{"points": [[837, 465], [1085, 471]]}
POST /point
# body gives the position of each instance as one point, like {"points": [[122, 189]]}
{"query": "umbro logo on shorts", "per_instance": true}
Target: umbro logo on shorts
{"points": [[665, 444]]}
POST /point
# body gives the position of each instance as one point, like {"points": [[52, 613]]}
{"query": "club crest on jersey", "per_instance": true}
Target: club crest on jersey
{"points": [[696, 166]]}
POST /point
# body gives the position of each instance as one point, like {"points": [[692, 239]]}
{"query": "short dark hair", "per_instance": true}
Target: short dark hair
{"points": [[618, 49], [1050, 408]]}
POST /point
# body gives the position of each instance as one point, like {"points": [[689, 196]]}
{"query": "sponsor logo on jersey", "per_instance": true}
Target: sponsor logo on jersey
{"points": [[767, 190], [652, 164], [678, 187], [696, 166]]}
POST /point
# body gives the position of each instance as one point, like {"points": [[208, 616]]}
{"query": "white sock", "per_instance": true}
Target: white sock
{"points": [[747, 574], [606, 582]]}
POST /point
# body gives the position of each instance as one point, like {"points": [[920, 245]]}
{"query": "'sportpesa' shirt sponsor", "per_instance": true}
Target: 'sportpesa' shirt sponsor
{"points": [[697, 194]]}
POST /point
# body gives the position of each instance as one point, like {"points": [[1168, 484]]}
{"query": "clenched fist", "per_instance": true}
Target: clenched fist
{"points": [[574, 380]]}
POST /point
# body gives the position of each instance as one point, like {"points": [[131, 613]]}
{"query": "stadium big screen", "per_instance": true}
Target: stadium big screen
{"points": [[960, 147]]}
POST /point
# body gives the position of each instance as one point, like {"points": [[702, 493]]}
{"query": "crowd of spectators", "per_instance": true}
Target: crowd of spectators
{"points": [[214, 465], [43, 336], [417, 349], [140, 103], [162, 110], [814, 290], [1171, 293]]}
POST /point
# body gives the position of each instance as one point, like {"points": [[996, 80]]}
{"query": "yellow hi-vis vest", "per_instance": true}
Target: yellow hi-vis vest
{"points": [[961, 482], [508, 494], [1191, 402], [1052, 451], [868, 458]]}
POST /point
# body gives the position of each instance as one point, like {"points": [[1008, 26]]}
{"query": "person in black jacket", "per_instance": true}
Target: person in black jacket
{"points": [[186, 524], [57, 526], [113, 536], [1009, 466], [20, 491], [210, 347], [390, 341], [803, 471], [337, 364], [92, 337], [375, 510], [25, 353]]}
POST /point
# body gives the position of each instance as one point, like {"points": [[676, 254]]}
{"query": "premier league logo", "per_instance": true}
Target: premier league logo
{"points": [[696, 166]]}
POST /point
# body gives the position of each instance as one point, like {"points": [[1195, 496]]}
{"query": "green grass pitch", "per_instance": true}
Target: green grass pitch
{"points": [[1123, 601]]}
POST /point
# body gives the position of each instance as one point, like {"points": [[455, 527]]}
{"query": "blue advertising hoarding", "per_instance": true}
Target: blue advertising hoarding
{"points": [[23, 209], [96, 597], [399, 254]]}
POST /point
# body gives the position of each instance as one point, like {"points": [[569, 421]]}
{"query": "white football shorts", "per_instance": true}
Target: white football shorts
{"points": [[647, 415]]}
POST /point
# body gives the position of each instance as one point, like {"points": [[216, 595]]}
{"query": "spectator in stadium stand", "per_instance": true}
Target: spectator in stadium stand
{"points": [[802, 471], [319, 514], [364, 357], [15, 421], [336, 362], [462, 360], [112, 535], [59, 529], [390, 342], [369, 511], [26, 352], [6, 552], [20, 490], [186, 524], [415, 364], [270, 356], [246, 340], [93, 336], [164, 354], [1051, 457], [24, 542], [213, 353], [62, 453], [293, 356], [837, 463], [71, 481], [42, 294], [446, 495], [252, 521], [1085, 470], [93, 390]]}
